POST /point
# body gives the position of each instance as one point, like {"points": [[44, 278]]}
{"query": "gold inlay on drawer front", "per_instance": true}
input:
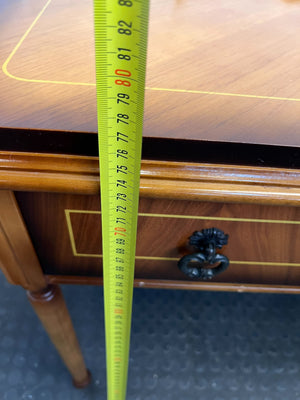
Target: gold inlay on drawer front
{"points": [[68, 213]]}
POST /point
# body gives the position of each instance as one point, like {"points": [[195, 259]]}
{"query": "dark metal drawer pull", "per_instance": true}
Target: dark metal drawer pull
{"points": [[207, 241]]}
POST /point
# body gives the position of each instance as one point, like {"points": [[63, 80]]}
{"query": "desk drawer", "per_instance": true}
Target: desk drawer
{"points": [[262, 246]]}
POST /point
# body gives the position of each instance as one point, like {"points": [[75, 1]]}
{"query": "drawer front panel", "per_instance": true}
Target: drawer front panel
{"points": [[262, 246]]}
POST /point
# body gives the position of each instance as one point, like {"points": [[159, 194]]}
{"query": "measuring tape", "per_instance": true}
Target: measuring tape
{"points": [[120, 46]]}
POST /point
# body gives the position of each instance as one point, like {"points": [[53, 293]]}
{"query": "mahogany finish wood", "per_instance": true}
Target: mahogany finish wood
{"points": [[20, 265], [18, 259], [261, 247], [51, 309], [158, 149], [221, 149], [221, 71], [179, 285], [159, 179]]}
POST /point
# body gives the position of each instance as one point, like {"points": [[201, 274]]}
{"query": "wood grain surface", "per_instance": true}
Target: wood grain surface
{"points": [[51, 309], [18, 260], [172, 180], [262, 248], [180, 284], [223, 70]]}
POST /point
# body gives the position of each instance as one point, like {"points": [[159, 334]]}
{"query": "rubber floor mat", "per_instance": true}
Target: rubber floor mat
{"points": [[185, 346]]}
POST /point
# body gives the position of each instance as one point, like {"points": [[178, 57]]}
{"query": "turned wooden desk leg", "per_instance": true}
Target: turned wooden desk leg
{"points": [[52, 311], [20, 265]]}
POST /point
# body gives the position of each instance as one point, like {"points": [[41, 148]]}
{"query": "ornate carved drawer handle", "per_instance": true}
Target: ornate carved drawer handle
{"points": [[207, 241]]}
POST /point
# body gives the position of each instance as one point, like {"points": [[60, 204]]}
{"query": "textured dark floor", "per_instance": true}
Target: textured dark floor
{"points": [[185, 345]]}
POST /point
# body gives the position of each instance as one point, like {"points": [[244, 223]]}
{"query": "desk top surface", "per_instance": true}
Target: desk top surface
{"points": [[227, 70]]}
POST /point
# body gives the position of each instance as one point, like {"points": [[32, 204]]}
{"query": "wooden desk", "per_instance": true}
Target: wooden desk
{"points": [[221, 149]]}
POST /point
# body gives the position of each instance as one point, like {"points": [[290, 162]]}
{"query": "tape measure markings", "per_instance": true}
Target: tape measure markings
{"points": [[120, 48]]}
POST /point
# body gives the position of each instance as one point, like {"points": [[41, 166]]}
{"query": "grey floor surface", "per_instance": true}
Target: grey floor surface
{"points": [[185, 345]]}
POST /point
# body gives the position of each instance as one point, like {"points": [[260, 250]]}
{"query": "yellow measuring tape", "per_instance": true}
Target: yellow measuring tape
{"points": [[120, 46]]}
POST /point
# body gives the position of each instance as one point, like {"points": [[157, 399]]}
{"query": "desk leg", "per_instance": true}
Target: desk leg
{"points": [[21, 266], [52, 311]]}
